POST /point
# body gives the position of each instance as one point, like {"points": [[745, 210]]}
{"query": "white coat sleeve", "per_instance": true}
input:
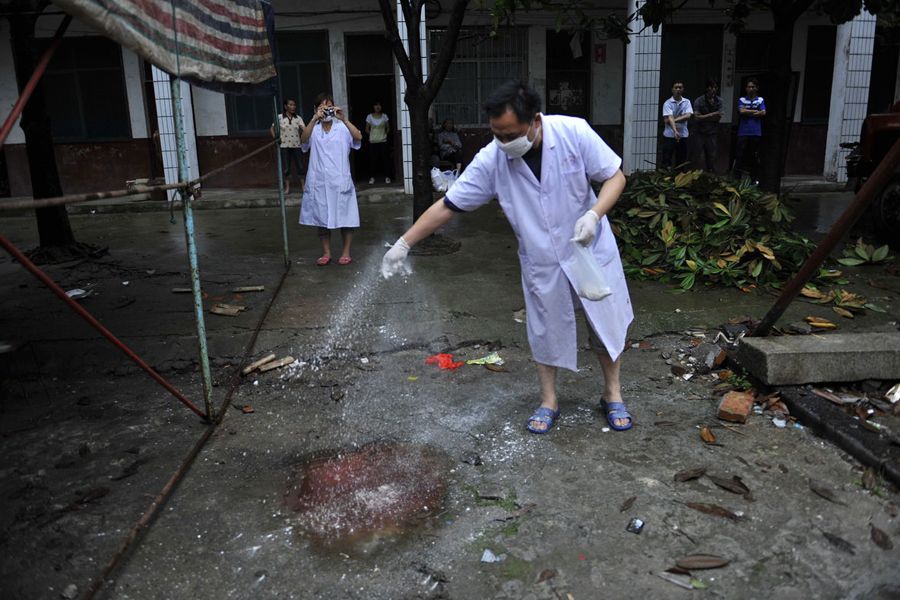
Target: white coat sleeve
{"points": [[600, 162], [475, 187], [352, 143]]}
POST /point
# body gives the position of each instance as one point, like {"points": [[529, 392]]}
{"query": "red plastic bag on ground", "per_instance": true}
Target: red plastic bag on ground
{"points": [[444, 361]]}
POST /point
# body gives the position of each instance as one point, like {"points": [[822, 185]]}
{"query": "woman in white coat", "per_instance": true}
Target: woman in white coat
{"points": [[329, 197], [539, 168]]}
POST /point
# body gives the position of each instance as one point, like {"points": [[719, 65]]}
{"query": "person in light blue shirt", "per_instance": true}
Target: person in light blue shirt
{"points": [[675, 113], [751, 110]]}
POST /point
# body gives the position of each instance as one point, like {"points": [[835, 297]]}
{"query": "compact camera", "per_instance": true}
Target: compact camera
{"points": [[329, 112]]}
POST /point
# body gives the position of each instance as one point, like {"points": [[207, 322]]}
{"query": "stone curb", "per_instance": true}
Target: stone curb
{"points": [[833, 424]]}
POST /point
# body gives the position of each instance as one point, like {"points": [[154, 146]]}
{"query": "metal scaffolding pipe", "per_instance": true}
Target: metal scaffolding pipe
{"points": [[187, 209], [45, 279], [879, 179], [284, 233]]}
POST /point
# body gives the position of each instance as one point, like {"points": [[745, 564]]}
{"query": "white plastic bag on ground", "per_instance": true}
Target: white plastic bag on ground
{"points": [[589, 279], [442, 180]]}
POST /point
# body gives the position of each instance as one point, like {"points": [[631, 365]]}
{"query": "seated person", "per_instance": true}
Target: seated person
{"points": [[449, 144]]}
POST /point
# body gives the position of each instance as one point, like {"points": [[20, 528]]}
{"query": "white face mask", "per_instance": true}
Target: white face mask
{"points": [[517, 147]]}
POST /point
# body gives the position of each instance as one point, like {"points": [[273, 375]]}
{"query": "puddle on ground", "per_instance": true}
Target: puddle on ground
{"points": [[354, 499]]}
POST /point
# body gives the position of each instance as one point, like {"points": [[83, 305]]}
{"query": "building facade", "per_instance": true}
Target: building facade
{"points": [[108, 125]]}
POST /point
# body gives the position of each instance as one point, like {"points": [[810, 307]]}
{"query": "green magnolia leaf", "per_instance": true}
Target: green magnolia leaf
{"points": [[688, 282], [851, 262], [880, 254], [698, 584], [757, 269], [874, 307]]}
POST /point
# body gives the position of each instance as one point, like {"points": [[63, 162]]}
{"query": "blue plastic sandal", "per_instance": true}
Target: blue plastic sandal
{"points": [[542, 415], [617, 411]]}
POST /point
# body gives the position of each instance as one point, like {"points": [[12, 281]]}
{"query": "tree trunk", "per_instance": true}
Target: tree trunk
{"points": [[53, 222], [423, 196], [777, 122]]}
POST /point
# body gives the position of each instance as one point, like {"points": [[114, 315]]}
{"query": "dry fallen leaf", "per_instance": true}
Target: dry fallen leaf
{"points": [[820, 323], [627, 504], [713, 509], [546, 574], [843, 312], [689, 474], [822, 489], [839, 543], [247, 409], [881, 539], [707, 435], [733, 485], [869, 478], [701, 561], [496, 368]]}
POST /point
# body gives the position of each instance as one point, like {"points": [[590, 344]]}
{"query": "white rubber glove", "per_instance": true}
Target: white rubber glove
{"points": [[586, 228], [394, 261]]}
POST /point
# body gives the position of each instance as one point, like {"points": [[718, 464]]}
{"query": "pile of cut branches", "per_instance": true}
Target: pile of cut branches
{"points": [[695, 228]]}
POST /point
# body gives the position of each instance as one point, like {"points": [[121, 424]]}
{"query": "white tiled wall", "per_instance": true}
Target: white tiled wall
{"points": [[642, 110], [403, 111]]}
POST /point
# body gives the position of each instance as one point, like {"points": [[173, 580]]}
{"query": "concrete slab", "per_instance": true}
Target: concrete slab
{"points": [[822, 358]]}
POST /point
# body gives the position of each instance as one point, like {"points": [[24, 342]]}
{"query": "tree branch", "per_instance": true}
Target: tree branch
{"points": [[393, 34], [448, 49]]}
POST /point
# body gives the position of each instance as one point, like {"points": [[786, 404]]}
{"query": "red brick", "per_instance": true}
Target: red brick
{"points": [[736, 406]]}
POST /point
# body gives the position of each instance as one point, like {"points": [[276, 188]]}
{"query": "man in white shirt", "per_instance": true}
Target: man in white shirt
{"points": [[675, 113]]}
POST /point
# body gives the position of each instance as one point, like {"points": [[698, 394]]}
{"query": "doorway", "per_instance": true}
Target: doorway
{"points": [[568, 74], [370, 79]]}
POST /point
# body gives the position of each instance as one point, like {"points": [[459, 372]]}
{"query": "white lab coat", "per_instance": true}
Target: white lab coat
{"points": [[329, 197], [543, 215]]}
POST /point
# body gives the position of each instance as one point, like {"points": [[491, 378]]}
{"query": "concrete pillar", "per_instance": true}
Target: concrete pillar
{"points": [[338, 64], [855, 42], [134, 90], [642, 109], [162, 90], [402, 110], [537, 59]]}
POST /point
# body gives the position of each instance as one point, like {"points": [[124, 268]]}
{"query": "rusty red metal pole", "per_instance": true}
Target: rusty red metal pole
{"points": [[34, 270], [32, 83], [879, 179]]}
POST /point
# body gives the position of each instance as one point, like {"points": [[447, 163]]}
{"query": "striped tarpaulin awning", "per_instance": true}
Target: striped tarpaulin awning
{"points": [[207, 42]]}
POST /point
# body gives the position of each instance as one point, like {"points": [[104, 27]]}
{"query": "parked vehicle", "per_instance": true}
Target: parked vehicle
{"points": [[879, 133]]}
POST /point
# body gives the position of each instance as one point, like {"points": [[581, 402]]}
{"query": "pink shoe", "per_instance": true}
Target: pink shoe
{"points": [[324, 260], [345, 260]]}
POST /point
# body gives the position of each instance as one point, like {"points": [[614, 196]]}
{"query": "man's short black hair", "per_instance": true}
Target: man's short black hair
{"points": [[516, 96], [752, 80], [677, 81], [712, 83]]}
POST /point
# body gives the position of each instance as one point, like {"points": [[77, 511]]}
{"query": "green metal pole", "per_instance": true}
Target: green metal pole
{"points": [[287, 258], [188, 210]]}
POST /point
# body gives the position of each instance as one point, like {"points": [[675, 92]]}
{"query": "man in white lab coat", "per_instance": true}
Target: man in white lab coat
{"points": [[539, 167]]}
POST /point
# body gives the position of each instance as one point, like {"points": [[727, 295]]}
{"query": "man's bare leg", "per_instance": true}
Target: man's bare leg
{"points": [[547, 376]]}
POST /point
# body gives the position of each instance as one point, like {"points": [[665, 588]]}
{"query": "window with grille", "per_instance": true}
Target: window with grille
{"points": [[84, 87], [304, 71], [481, 63]]}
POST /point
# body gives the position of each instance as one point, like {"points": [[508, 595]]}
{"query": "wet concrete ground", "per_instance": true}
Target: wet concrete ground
{"points": [[88, 440]]}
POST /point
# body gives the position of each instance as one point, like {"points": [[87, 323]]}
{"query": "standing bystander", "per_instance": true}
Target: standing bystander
{"points": [[708, 112], [676, 112], [378, 126], [751, 108], [291, 128]]}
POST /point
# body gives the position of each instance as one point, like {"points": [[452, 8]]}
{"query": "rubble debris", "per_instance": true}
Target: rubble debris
{"points": [[893, 394], [491, 359], [682, 581], [275, 364], [77, 294], [444, 361], [228, 310], [707, 435], [489, 557], [181, 290], [248, 288], [822, 490], [701, 561], [258, 363], [635, 525], [736, 406]]}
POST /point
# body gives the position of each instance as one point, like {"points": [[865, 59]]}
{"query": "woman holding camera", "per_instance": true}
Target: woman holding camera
{"points": [[329, 198]]}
